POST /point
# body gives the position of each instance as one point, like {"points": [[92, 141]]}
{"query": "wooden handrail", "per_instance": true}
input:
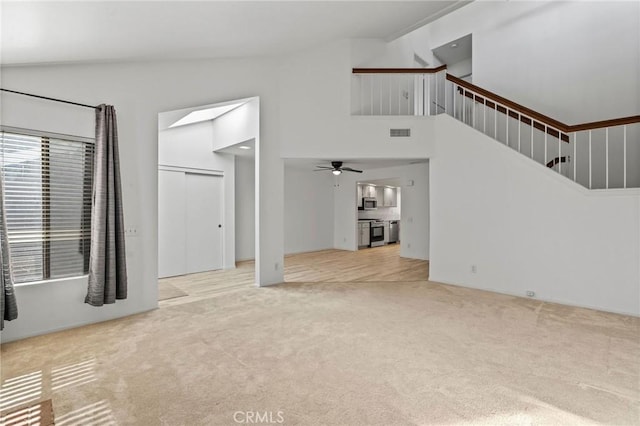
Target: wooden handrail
{"points": [[399, 70], [543, 119], [540, 121], [516, 115], [509, 104]]}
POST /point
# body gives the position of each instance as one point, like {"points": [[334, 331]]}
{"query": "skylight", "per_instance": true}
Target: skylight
{"points": [[206, 114]]}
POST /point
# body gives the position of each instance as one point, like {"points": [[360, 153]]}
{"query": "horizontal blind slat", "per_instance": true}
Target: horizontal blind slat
{"points": [[48, 191]]}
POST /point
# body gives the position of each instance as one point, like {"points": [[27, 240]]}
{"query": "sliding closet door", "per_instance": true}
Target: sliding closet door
{"points": [[204, 220], [172, 230], [189, 215]]}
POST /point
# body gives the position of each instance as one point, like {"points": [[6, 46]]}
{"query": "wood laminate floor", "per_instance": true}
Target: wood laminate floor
{"points": [[379, 264]]}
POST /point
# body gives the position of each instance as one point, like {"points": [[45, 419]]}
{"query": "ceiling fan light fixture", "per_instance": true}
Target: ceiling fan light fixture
{"points": [[336, 172]]}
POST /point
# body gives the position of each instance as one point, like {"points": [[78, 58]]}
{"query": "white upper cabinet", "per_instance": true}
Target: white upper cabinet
{"points": [[390, 197], [380, 196], [369, 191], [385, 196]]}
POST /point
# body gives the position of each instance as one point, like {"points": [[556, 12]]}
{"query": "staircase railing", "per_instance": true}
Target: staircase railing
{"points": [[598, 155]]}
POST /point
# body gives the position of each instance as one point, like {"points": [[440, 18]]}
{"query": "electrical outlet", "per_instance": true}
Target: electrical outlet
{"points": [[474, 269], [531, 293], [277, 266], [408, 245]]}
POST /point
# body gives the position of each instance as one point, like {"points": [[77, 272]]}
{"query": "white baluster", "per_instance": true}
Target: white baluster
{"points": [[464, 105], [495, 121], [473, 109], [519, 122], [429, 96], [531, 141], [484, 115], [445, 95], [606, 157], [408, 97], [455, 94], [371, 87], [624, 156], [390, 78], [399, 95], [506, 110], [590, 165], [436, 84], [575, 156], [559, 152], [546, 132], [381, 84]]}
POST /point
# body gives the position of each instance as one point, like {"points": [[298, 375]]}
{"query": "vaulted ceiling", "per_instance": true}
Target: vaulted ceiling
{"points": [[35, 32]]}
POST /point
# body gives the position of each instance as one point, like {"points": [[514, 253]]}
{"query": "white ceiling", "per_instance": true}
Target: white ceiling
{"points": [[449, 55], [35, 32]]}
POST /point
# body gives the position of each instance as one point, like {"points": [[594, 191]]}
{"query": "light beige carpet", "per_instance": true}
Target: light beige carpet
{"points": [[343, 354], [168, 291], [39, 414]]}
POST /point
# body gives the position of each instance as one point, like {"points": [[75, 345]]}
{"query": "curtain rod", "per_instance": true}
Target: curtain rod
{"points": [[49, 99]]}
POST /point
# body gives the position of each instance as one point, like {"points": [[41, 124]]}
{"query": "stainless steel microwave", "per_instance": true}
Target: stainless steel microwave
{"points": [[369, 203]]}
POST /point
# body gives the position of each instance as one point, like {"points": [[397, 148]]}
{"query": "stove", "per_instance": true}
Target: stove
{"points": [[376, 233]]}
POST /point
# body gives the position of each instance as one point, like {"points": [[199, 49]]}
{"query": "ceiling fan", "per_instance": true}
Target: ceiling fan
{"points": [[336, 168]]}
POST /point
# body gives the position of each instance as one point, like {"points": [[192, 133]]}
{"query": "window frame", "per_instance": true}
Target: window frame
{"points": [[47, 196]]}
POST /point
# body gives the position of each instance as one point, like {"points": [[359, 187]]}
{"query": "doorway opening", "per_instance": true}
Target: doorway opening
{"points": [[201, 151], [324, 211]]}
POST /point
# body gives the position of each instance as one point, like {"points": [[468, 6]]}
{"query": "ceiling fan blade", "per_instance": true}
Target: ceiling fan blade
{"points": [[324, 168], [349, 169]]}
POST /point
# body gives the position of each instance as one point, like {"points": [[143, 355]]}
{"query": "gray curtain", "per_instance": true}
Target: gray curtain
{"points": [[8, 306], [107, 263]]}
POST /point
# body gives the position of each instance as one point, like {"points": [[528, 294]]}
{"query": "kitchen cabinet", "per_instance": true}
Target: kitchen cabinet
{"points": [[380, 196], [385, 196], [363, 234], [389, 197], [369, 191]]}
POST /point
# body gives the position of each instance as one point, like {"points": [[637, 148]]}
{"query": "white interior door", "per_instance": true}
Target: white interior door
{"points": [[172, 230], [203, 222]]}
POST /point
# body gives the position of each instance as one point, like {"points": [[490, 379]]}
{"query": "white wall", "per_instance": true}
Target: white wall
{"points": [[315, 118], [462, 69], [414, 214], [308, 210], [139, 92], [528, 229], [245, 208], [190, 147], [239, 125], [573, 61]]}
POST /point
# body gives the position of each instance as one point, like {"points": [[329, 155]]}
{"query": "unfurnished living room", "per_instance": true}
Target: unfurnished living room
{"points": [[320, 212]]}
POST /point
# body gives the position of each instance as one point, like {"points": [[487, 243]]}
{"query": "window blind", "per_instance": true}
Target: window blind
{"points": [[48, 186]]}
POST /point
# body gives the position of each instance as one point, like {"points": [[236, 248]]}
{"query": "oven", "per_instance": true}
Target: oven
{"points": [[376, 234]]}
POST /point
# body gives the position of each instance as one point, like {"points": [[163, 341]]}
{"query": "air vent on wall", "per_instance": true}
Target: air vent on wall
{"points": [[400, 133]]}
